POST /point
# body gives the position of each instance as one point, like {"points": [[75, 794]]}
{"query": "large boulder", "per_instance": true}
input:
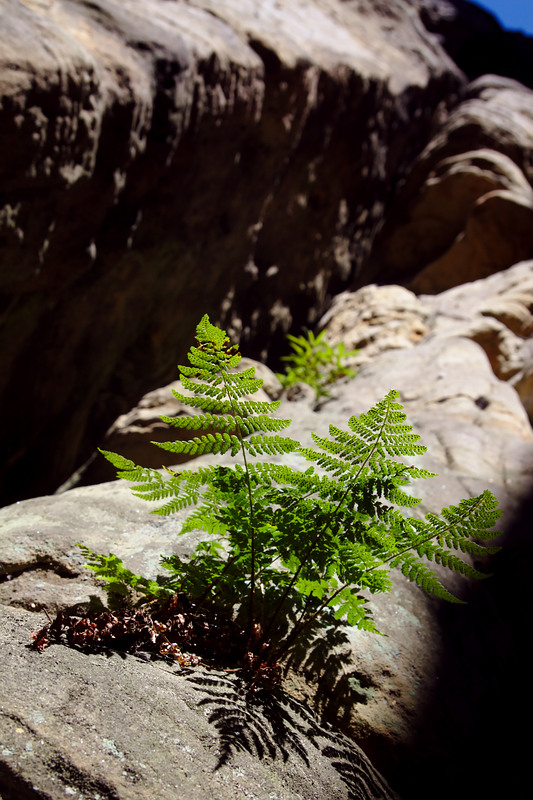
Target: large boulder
{"points": [[496, 312], [424, 699], [97, 726], [164, 159]]}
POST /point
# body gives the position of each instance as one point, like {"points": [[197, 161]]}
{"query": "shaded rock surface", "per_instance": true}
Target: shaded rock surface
{"points": [[465, 210], [162, 159], [424, 700]]}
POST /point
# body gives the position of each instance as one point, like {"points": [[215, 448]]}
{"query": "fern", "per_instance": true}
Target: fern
{"points": [[315, 362], [285, 546]]}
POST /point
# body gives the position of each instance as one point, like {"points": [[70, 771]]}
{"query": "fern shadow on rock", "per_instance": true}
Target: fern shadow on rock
{"points": [[274, 725], [323, 659], [260, 727]]}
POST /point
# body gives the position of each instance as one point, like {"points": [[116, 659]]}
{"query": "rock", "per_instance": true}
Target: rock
{"points": [[465, 210], [94, 726], [496, 312], [470, 333], [497, 234], [523, 379], [161, 160], [132, 434], [379, 318], [375, 319], [410, 699], [414, 698]]}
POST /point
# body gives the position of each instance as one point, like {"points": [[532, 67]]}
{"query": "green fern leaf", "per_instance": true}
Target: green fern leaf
{"points": [[285, 546]]}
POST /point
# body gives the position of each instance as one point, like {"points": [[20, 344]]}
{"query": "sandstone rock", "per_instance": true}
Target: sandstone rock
{"points": [[375, 319], [411, 699], [465, 210], [103, 726], [522, 380], [438, 668], [161, 160], [496, 312], [497, 234]]}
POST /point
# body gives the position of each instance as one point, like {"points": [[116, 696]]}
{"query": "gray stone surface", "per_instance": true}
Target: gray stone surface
{"points": [[101, 726]]}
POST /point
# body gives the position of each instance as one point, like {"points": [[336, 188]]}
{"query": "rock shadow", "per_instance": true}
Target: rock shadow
{"points": [[482, 703]]}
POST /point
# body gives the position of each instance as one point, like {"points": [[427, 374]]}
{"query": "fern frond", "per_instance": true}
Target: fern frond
{"points": [[474, 517], [197, 422], [307, 482], [383, 427], [130, 471], [186, 485], [203, 519], [353, 608], [269, 445], [259, 406], [453, 562], [419, 573], [208, 443], [375, 436], [214, 389], [261, 422], [208, 404], [285, 546], [120, 581]]}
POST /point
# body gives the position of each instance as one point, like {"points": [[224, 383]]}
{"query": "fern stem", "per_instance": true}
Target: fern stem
{"points": [[251, 598]]}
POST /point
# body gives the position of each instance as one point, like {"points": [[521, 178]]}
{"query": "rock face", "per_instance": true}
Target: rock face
{"points": [[466, 209], [422, 701], [166, 158]]}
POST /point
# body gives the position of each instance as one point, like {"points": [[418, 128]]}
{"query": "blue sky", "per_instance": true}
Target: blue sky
{"points": [[516, 15]]}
